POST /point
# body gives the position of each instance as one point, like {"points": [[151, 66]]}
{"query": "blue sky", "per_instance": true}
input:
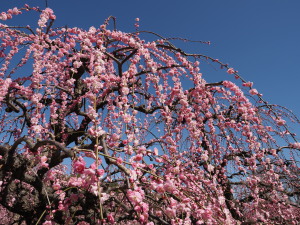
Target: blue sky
{"points": [[259, 38]]}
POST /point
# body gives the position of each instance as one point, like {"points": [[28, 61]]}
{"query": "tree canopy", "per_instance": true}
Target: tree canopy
{"points": [[100, 126]]}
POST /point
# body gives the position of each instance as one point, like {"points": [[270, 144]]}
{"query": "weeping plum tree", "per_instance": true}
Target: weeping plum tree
{"points": [[100, 126]]}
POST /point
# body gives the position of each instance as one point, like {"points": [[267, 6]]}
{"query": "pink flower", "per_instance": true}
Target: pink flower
{"points": [[170, 212], [206, 214], [204, 157], [210, 168], [145, 207], [253, 92], [77, 64], [160, 188], [248, 84], [134, 196], [61, 206], [93, 166], [110, 218], [169, 186], [100, 172], [115, 137], [280, 122], [273, 152], [15, 11], [159, 160], [125, 90], [104, 197], [158, 213], [3, 16], [94, 190], [138, 157], [44, 159], [56, 186], [155, 151], [74, 181], [231, 71], [142, 150], [79, 165], [43, 162], [137, 208], [89, 172], [126, 118], [119, 160], [295, 145]]}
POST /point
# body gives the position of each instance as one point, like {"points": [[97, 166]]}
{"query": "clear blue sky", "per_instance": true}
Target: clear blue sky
{"points": [[259, 38]]}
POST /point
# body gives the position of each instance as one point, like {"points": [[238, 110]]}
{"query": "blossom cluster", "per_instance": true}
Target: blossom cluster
{"points": [[147, 139]]}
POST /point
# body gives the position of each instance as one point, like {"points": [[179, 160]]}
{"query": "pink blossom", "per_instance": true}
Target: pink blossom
{"points": [[169, 186], [115, 137], [100, 172], [248, 84], [61, 206], [43, 161], [295, 145], [16, 11], [104, 197], [76, 181], [77, 64], [126, 118], [134, 196], [93, 166], [89, 172], [206, 214], [138, 157], [94, 189], [119, 160], [3, 16], [160, 188], [56, 186], [204, 157], [79, 165], [142, 150], [110, 218], [280, 122], [159, 160], [210, 168], [138, 208], [125, 90], [158, 213], [96, 132], [170, 212], [231, 71], [253, 92], [155, 151]]}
